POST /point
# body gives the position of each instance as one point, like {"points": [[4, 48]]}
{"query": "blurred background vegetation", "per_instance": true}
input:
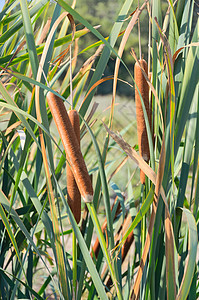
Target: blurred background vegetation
{"points": [[104, 13]]}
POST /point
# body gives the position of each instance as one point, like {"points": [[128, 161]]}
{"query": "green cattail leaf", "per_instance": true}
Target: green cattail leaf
{"points": [[29, 37], [173, 29], [143, 210], [189, 83], [10, 233], [191, 259], [188, 149]]}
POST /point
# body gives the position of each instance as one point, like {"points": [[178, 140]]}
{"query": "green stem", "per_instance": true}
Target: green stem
{"points": [[74, 264], [143, 223]]}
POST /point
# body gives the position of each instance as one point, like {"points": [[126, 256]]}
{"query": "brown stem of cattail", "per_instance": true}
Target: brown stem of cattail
{"points": [[74, 196], [127, 245], [141, 126], [71, 146]]}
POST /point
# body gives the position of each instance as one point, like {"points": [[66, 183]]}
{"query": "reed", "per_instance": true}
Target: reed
{"points": [[71, 146]]}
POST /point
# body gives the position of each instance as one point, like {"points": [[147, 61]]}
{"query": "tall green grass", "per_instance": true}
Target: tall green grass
{"points": [[156, 224]]}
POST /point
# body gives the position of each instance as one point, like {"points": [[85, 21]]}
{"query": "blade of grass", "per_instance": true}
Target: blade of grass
{"points": [[11, 235], [29, 37], [58, 244], [188, 148], [158, 183], [96, 196], [156, 12], [196, 154], [173, 29], [192, 251], [63, 31]]}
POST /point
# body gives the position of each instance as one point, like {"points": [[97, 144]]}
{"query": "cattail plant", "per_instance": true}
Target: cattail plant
{"points": [[71, 146], [74, 196], [143, 87]]}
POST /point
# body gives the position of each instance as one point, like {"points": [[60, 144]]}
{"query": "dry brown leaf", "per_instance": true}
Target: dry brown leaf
{"points": [[16, 52], [169, 245], [44, 32], [86, 66], [180, 49], [133, 155], [11, 127], [95, 85], [118, 168]]}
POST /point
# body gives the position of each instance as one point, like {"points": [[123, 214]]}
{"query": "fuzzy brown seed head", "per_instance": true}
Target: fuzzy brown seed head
{"points": [[141, 126], [71, 146], [74, 196]]}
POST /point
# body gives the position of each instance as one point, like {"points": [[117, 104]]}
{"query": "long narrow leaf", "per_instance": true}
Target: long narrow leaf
{"points": [[192, 251]]}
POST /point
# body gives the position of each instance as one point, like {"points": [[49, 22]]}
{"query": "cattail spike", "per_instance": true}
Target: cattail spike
{"points": [[71, 146], [74, 196], [141, 126]]}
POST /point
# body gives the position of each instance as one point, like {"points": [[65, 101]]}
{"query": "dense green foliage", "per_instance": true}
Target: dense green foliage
{"points": [[134, 241]]}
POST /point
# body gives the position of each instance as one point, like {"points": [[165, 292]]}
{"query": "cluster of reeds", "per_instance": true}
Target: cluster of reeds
{"points": [[143, 245]]}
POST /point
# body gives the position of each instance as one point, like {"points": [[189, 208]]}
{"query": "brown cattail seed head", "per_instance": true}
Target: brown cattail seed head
{"points": [[71, 146], [74, 196], [141, 126]]}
